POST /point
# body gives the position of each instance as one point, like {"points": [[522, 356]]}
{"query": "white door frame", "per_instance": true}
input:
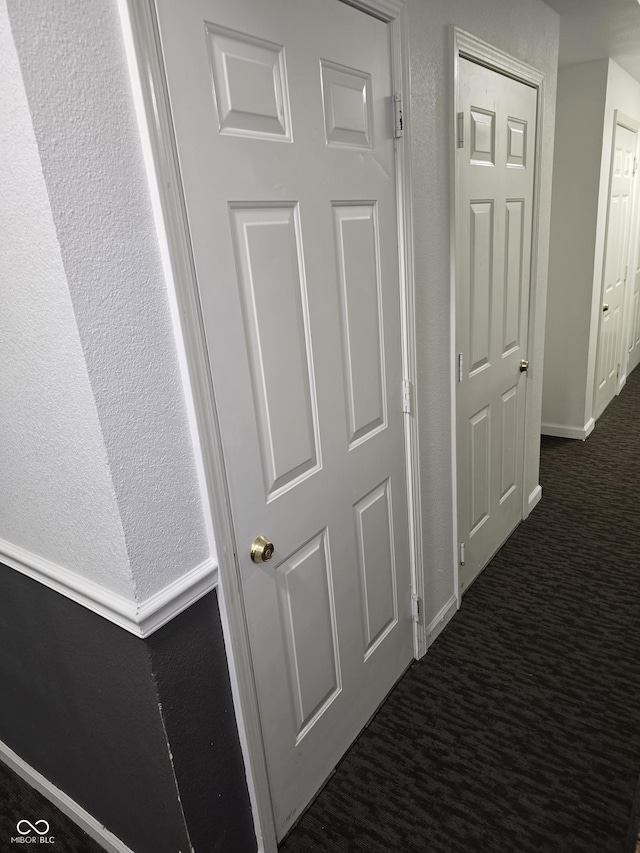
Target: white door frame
{"points": [[142, 40], [624, 120], [468, 46]]}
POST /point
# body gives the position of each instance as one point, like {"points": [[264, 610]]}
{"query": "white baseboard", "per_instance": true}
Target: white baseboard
{"points": [[139, 618], [441, 620], [563, 431], [535, 497], [63, 802]]}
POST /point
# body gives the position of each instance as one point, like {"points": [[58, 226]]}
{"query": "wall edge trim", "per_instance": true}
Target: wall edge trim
{"points": [[441, 619], [535, 497], [566, 431], [63, 802], [141, 619]]}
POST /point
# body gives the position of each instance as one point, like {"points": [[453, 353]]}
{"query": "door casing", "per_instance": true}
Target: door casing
{"points": [[468, 46], [142, 41]]}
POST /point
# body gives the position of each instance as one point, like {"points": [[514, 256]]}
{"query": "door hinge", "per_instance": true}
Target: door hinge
{"points": [[415, 607], [406, 397], [462, 553], [460, 130], [460, 364], [398, 129]]}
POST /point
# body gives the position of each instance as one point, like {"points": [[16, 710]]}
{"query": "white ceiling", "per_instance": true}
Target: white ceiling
{"points": [[595, 29]]}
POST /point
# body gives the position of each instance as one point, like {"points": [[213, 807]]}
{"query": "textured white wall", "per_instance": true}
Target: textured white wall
{"points": [[527, 29], [574, 218], [56, 495], [77, 82]]}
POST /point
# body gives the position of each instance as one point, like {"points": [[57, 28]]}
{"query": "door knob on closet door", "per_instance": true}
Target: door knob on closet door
{"points": [[605, 307], [261, 549], [524, 365]]}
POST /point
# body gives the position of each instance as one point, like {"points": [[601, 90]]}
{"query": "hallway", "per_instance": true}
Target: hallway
{"points": [[520, 729]]}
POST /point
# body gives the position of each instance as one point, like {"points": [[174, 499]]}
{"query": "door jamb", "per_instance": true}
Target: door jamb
{"points": [[142, 40], [466, 45]]}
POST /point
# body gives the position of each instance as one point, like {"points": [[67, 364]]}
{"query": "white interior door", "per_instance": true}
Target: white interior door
{"points": [[284, 128], [634, 311], [495, 174], [615, 269]]}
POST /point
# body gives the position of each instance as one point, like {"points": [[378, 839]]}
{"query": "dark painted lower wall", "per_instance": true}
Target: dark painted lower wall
{"points": [[140, 733]]}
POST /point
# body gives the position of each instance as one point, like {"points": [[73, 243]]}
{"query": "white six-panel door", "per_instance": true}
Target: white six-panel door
{"points": [[495, 176], [634, 310], [608, 368], [282, 114]]}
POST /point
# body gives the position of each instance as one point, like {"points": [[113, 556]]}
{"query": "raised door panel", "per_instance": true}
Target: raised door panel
{"points": [[272, 284], [358, 262], [308, 619], [374, 535], [481, 283]]}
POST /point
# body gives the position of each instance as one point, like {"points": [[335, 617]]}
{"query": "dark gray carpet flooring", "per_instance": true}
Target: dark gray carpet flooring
{"points": [[519, 732]]}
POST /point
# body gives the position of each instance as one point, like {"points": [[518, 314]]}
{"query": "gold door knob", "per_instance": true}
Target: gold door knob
{"points": [[524, 365], [605, 307], [261, 549]]}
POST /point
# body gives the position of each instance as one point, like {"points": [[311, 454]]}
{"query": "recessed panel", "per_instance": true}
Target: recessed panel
{"points": [[374, 536], [480, 427], [514, 225], [307, 614], [348, 106], [271, 280], [617, 162], [508, 443], [481, 282], [249, 84], [483, 136], [516, 142], [357, 253]]}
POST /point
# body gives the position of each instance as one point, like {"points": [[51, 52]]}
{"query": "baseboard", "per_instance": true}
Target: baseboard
{"points": [[441, 620], [535, 497], [563, 431], [62, 801], [142, 618]]}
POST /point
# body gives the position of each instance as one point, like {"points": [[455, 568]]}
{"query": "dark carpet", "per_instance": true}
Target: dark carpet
{"points": [[519, 732]]}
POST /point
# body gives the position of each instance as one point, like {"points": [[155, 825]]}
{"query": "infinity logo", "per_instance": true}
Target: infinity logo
{"points": [[32, 827]]}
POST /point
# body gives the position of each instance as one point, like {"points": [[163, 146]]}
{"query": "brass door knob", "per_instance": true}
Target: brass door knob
{"points": [[605, 307], [524, 365], [261, 549]]}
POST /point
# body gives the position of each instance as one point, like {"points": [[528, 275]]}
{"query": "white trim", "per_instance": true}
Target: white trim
{"points": [[63, 802], [535, 497], [563, 431], [467, 45], [139, 619], [442, 619], [386, 10], [140, 26], [403, 160]]}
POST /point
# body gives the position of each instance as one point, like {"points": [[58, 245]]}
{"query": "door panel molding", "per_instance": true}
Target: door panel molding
{"points": [[468, 46], [150, 91]]}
